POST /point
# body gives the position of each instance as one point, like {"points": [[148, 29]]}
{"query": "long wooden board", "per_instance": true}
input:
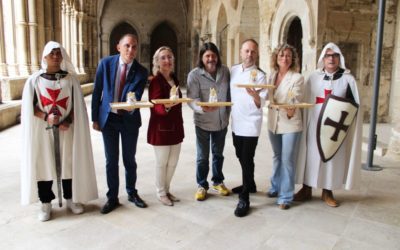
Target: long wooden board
{"points": [[256, 86], [129, 107], [214, 104], [169, 101], [295, 105]]}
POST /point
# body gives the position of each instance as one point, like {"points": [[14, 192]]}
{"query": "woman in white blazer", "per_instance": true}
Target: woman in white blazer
{"points": [[284, 124]]}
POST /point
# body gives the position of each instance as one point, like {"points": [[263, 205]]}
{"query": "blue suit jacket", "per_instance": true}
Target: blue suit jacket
{"points": [[104, 86]]}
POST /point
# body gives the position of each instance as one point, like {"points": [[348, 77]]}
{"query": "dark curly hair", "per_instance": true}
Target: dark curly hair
{"points": [[212, 47]]}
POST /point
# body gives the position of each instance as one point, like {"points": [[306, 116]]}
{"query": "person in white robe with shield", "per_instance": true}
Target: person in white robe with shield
{"points": [[56, 138], [330, 151]]}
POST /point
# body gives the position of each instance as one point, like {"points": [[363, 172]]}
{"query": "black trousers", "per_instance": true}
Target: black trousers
{"points": [[245, 148], [46, 194]]}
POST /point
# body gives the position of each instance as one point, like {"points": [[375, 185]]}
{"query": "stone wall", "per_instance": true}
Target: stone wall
{"points": [[352, 25]]}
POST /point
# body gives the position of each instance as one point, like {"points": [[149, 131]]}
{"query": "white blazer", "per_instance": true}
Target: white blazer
{"points": [[278, 122]]}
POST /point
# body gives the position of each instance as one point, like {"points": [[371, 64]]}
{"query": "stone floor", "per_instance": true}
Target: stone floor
{"points": [[368, 218]]}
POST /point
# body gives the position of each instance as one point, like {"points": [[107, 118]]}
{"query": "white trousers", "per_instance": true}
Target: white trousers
{"points": [[166, 160]]}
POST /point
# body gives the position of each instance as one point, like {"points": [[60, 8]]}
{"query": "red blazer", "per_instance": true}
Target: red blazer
{"points": [[165, 128]]}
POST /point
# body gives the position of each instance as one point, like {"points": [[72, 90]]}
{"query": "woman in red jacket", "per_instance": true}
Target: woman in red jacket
{"points": [[165, 130]]}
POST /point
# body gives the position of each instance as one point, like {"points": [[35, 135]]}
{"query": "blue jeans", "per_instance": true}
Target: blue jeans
{"points": [[285, 151], [203, 152]]}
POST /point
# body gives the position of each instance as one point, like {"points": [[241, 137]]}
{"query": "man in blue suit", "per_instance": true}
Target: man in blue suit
{"points": [[115, 77]]}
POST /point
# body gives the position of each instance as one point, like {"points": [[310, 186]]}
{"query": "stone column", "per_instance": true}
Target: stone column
{"points": [[89, 43], [104, 41], [67, 27], [48, 21], [63, 23], [41, 39], [394, 104], [33, 35], [9, 41], [94, 32], [74, 38], [57, 28], [81, 55], [95, 42], [94, 52], [21, 36], [394, 142], [3, 65]]}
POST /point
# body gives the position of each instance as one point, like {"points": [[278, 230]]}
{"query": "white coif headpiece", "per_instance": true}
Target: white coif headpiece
{"points": [[335, 49], [66, 63]]}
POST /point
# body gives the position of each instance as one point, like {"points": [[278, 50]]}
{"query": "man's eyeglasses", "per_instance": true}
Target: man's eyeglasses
{"points": [[335, 55]]}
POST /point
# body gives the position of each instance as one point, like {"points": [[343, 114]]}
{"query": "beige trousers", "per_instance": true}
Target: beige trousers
{"points": [[166, 160]]}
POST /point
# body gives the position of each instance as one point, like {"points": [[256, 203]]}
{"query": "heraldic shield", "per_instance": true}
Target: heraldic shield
{"points": [[334, 121]]}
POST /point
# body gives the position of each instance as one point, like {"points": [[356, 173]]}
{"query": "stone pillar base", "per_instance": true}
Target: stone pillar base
{"points": [[11, 88], [394, 145]]}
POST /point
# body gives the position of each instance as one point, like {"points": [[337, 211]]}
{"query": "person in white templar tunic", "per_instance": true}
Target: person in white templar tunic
{"points": [[343, 169], [52, 97]]}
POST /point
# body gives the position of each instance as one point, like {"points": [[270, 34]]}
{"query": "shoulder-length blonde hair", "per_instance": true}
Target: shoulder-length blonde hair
{"points": [[294, 66], [156, 65]]}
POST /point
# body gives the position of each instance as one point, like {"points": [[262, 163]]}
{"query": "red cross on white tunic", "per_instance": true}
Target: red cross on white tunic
{"points": [[322, 99], [54, 93]]}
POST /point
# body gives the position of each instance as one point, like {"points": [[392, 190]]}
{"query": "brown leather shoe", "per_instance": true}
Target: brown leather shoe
{"points": [[284, 206], [165, 200], [304, 194], [327, 196], [172, 197]]}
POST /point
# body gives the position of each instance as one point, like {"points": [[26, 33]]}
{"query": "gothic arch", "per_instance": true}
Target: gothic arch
{"points": [[117, 32], [281, 21], [285, 13], [164, 34], [294, 36]]}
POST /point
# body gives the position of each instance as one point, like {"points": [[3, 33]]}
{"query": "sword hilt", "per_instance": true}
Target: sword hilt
{"points": [[54, 112]]}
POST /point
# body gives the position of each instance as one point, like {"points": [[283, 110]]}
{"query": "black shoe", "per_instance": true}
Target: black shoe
{"points": [[137, 200], [272, 194], [109, 206], [242, 208], [238, 190]]}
